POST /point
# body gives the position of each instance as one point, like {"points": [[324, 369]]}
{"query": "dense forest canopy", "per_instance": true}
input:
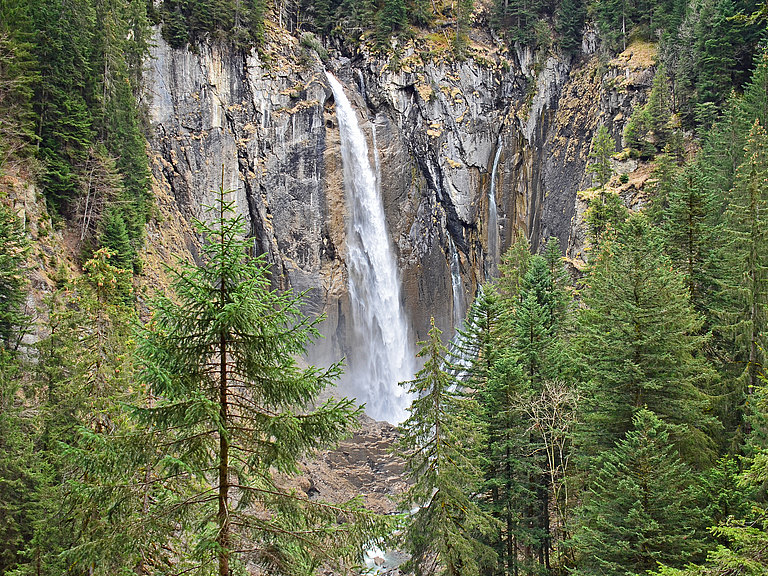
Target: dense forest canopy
{"points": [[609, 422]]}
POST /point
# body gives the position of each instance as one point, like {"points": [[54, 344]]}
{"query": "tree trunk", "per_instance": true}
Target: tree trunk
{"points": [[223, 515]]}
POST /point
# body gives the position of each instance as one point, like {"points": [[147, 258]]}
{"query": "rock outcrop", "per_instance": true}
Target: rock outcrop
{"points": [[435, 126]]}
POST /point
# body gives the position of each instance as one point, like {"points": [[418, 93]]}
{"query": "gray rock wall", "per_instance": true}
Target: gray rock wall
{"points": [[436, 126]]}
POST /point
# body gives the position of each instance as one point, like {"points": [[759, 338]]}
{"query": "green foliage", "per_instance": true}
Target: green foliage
{"points": [[311, 42], [711, 52], [604, 218], [88, 56], [744, 278], [391, 19], [460, 40], [13, 279], [516, 19], [648, 129], [441, 440], [18, 74], [639, 509], [420, 13], [690, 234], [603, 148], [639, 344], [83, 374], [570, 24], [521, 399], [192, 21], [513, 266], [514, 469], [220, 359], [114, 237], [18, 474]]}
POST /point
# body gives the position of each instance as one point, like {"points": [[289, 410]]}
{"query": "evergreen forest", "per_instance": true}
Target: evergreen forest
{"points": [[610, 420]]}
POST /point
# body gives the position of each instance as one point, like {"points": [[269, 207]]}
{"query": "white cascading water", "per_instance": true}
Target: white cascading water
{"points": [[458, 287], [382, 354], [492, 269]]}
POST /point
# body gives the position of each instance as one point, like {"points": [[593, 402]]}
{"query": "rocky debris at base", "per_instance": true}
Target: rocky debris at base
{"points": [[363, 465]]}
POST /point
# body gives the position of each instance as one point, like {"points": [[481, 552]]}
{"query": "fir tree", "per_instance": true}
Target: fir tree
{"points": [[513, 468], [639, 344], [441, 440], [114, 237], [603, 147], [460, 40], [745, 282], [604, 217], [690, 234], [390, 20], [18, 463], [84, 373], [18, 74], [13, 280], [513, 267], [570, 24], [639, 510], [220, 359]]}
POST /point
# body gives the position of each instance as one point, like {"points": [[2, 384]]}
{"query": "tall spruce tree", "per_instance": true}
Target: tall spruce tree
{"points": [[513, 466], [18, 463], [441, 442], [603, 147], [690, 233], [219, 358], [14, 248], [639, 344], [570, 16], [639, 509], [745, 280]]}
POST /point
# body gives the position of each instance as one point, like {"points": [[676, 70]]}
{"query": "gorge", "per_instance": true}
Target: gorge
{"points": [[469, 153]]}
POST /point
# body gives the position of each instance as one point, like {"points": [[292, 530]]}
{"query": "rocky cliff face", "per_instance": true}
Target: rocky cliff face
{"points": [[434, 126]]}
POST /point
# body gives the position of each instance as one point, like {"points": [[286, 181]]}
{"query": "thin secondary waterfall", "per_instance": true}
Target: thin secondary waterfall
{"points": [[492, 268], [458, 287], [382, 354]]}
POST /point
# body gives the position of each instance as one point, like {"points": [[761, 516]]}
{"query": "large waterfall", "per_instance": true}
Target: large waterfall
{"points": [[382, 354]]}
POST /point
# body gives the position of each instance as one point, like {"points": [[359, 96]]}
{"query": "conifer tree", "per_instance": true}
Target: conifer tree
{"points": [[220, 360], [639, 509], [391, 19], [84, 374], [13, 280], [513, 467], [604, 217], [420, 13], [603, 147], [514, 264], [570, 24], [745, 280], [480, 342], [441, 442], [690, 234], [639, 344], [114, 237], [18, 73], [460, 39], [18, 465], [740, 521]]}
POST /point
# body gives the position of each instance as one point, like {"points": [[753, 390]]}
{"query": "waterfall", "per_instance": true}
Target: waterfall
{"points": [[492, 268], [458, 287], [381, 354]]}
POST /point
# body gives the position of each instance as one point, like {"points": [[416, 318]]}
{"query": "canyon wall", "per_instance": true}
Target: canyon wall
{"points": [[435, 127]]}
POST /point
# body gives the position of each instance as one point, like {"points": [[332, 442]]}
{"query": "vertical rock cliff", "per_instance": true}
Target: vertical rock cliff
{"points": [[435, 127]]}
